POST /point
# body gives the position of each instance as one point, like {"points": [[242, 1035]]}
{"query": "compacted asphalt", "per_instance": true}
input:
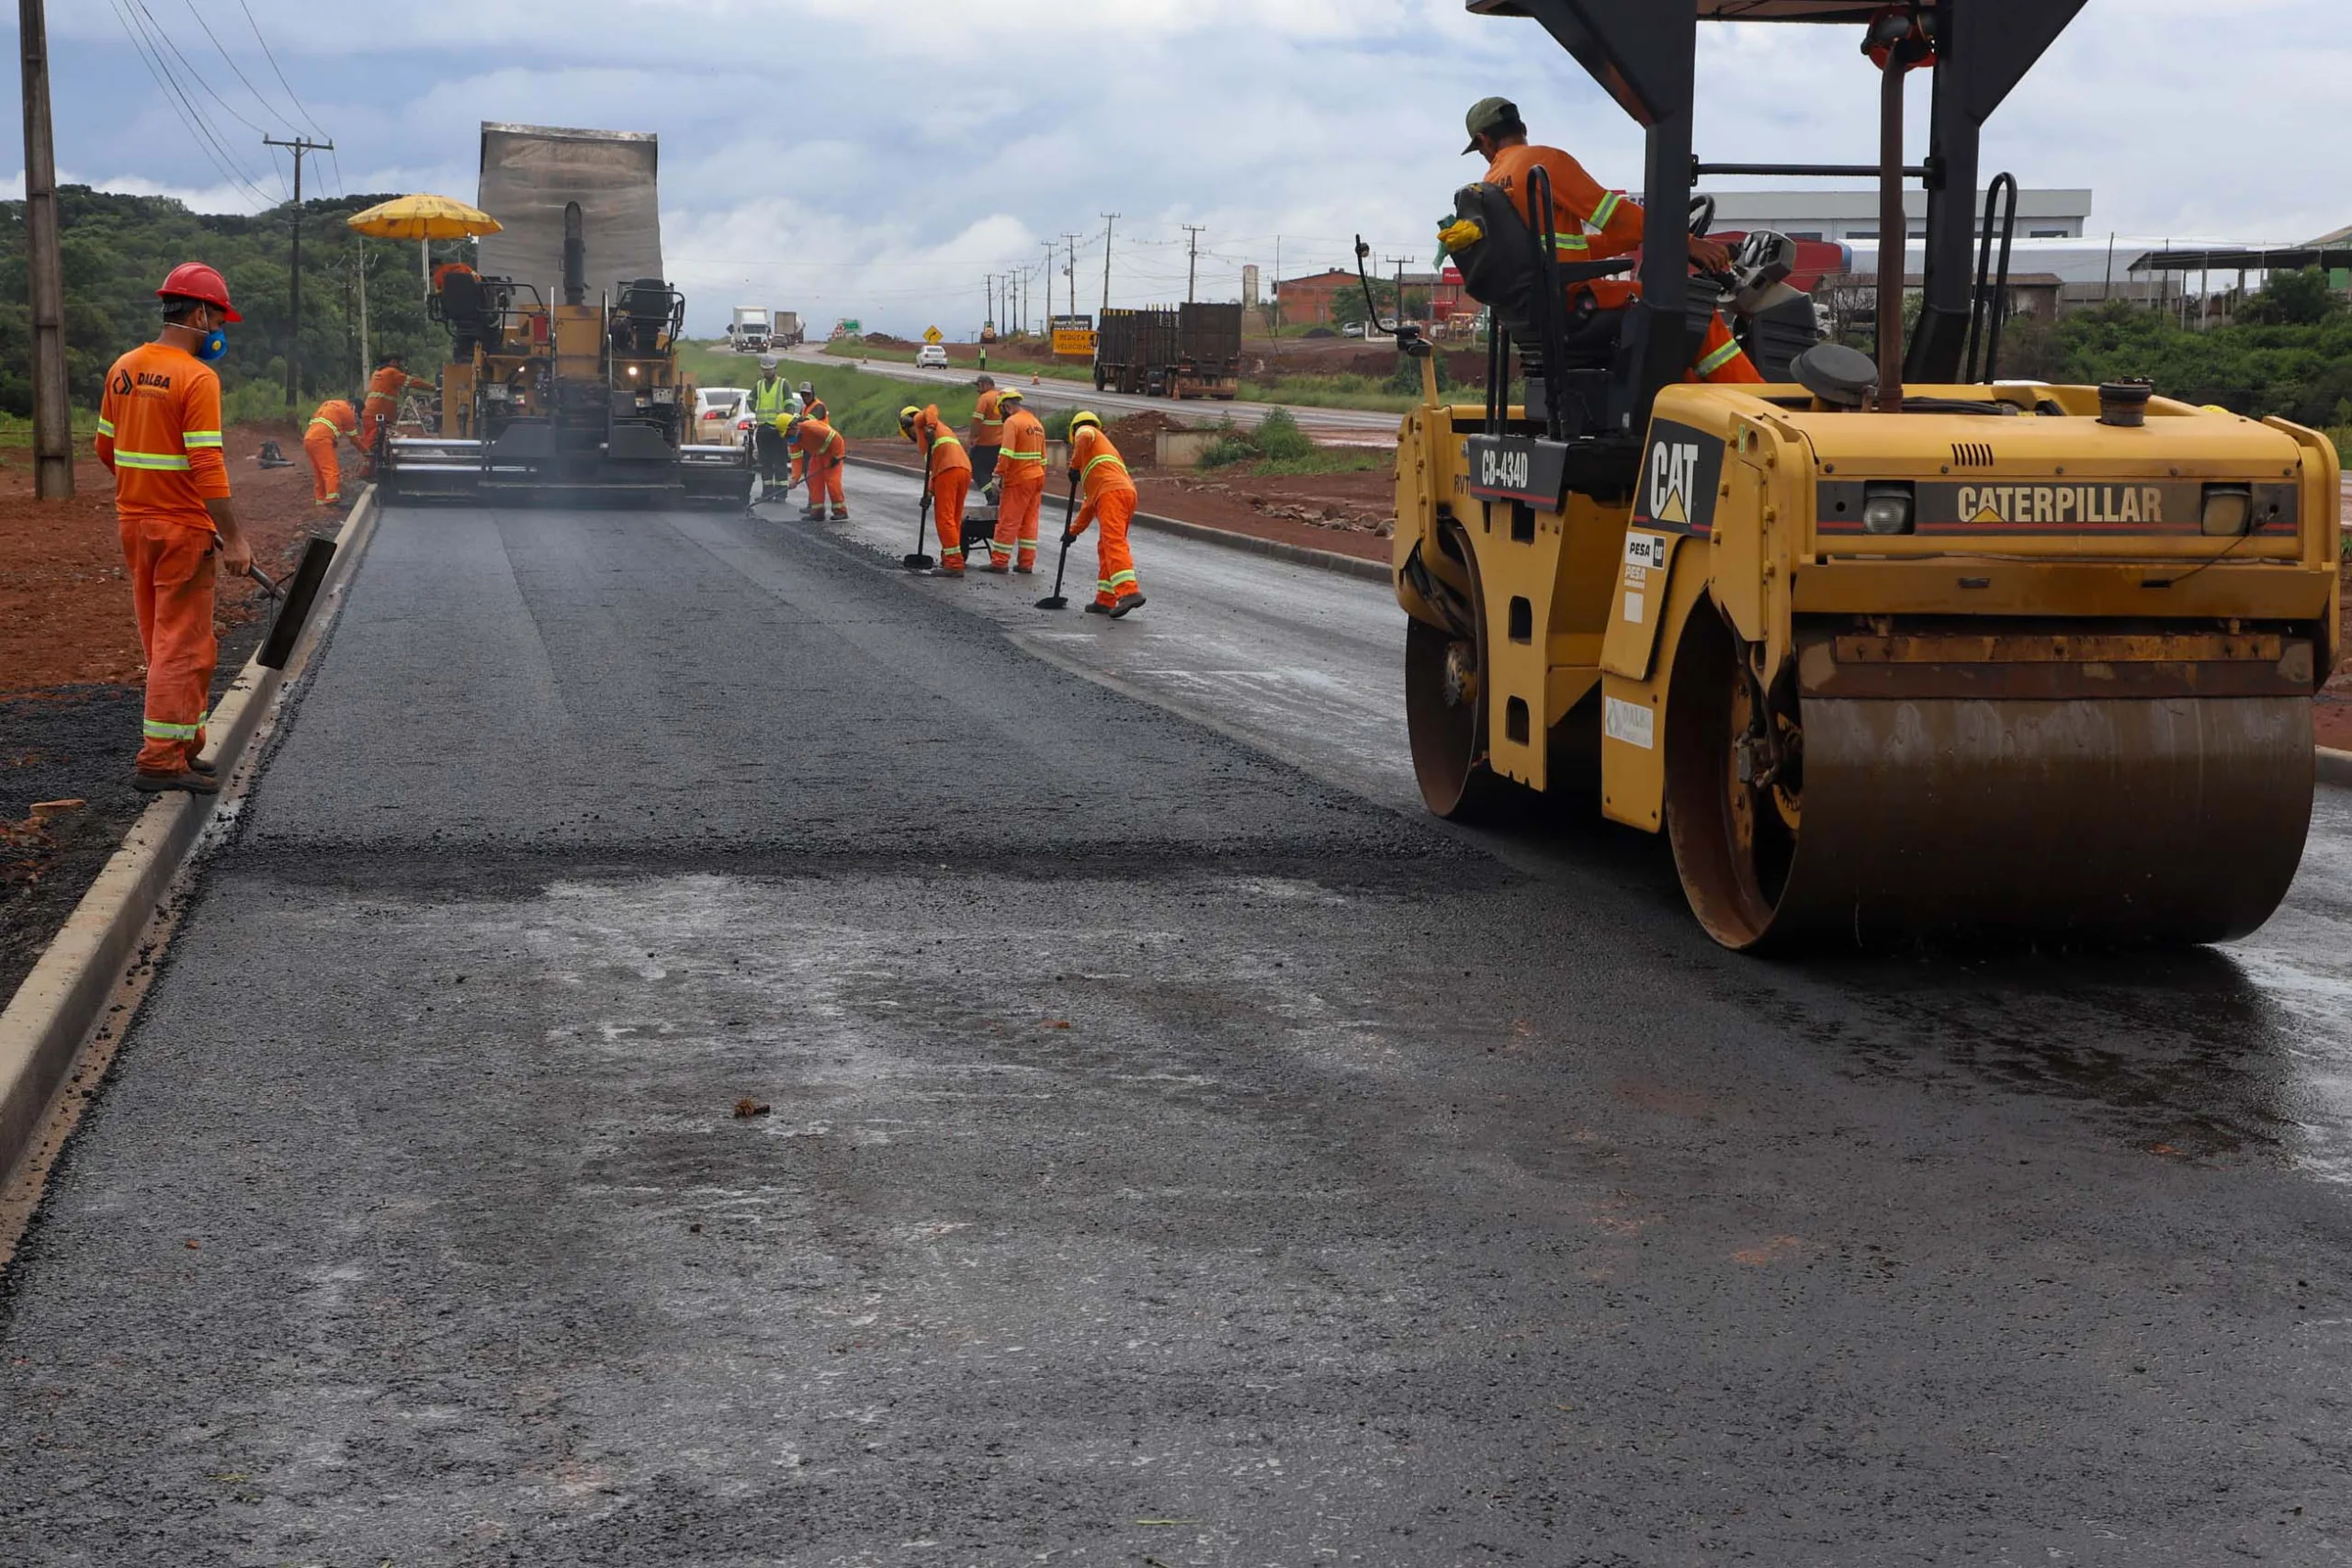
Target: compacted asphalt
{"points": [[706, 1049]]}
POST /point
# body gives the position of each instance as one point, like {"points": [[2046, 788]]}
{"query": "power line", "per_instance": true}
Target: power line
{"points": [[157, 29], [180, 108], [198, 122], [228, 60], [332, 161]]}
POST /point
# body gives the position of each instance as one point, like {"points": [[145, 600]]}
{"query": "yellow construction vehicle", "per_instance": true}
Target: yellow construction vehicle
{"points": [[1885, 648]]}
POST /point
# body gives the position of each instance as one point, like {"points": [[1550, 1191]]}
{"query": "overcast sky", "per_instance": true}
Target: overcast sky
{"points": [[857, 158]]}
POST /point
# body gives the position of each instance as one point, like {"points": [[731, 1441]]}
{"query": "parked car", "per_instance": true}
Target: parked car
{"points": [[715, 408], [932, 356]]}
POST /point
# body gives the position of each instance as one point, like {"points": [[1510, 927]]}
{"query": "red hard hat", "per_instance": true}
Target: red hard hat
{"points": [[194, 280]]}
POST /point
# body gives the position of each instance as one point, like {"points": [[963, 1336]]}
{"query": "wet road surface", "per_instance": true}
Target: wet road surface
{"points": [[1174, 1148]]}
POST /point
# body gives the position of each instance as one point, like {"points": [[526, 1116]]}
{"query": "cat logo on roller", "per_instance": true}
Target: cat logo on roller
{"points": [[1676, 493]]}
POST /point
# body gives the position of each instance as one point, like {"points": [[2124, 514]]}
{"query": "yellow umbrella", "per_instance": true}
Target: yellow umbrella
{"points": [[424, 218]]}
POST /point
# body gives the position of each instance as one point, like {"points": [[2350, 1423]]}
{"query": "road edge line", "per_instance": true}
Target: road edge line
{"points": [[1298, 555], [57, 1007]]}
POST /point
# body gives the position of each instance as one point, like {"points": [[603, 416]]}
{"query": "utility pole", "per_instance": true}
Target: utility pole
{"points": [[297, 146], [362, 249], [1400, 305], [1069, 273], [1108, 219], [1049, 287], [1192, 258], [1275, 294], [52, 404]]}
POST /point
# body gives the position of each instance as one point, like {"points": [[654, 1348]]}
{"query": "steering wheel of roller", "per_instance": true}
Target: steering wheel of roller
{"points": [[1703, 215]]}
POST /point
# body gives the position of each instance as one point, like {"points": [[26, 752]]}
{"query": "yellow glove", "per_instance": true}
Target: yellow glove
{"points": [[1460, 235]]}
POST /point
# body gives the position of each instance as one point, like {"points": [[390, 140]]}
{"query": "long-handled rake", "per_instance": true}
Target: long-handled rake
{"points": [[1055, 601]]}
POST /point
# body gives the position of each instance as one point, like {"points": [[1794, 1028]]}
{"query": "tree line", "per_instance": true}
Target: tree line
{"points": [[116, 249]]}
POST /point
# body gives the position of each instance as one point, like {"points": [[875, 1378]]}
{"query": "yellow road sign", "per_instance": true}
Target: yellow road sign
{"points": [[932, 334]]}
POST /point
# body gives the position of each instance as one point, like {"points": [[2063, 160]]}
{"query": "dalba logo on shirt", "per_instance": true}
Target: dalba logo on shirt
{"points": [[122, 388]]}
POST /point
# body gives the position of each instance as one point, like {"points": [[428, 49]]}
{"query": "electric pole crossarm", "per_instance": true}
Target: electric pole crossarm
{"points": [[298, 146]]}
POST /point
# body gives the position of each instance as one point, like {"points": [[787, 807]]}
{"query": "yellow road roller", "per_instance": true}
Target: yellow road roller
{"points": [[1887, 645]]}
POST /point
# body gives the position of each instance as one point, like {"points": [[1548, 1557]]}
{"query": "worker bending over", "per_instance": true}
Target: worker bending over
{"points": [[1021, 467], [774, 406], [987, 430], [1096, 464], [159, 434], [1593, 224], [947, 469], [813, 407], [335, 421], [384, 388], [826, 452]]}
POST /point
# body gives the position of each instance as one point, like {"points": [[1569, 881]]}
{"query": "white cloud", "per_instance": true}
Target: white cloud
{"points": [[877, 160]]}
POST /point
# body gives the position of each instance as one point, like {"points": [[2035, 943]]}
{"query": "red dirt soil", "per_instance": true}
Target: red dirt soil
{"points": [[64, 610], [2332, 715]]}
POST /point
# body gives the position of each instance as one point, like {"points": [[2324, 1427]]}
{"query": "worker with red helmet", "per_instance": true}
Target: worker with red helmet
{"points": [[159, 435]]}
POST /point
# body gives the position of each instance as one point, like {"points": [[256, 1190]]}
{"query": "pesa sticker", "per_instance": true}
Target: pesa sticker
{"points": [[1629, 722], [1645, 549]]}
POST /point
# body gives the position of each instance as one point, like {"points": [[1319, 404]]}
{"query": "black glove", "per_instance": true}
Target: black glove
{"points": [[1073, 475]]}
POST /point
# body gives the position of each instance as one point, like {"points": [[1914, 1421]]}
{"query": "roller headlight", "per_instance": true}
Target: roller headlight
{"points": [[2229, 509], [1886, 509]]}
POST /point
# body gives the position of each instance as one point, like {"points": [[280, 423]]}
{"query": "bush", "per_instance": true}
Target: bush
{"points": [[1058, 425], [1227, 450], [1278, 436]]}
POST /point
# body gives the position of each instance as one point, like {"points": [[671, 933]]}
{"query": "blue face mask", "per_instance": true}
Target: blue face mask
{"points": [[214, 346]]}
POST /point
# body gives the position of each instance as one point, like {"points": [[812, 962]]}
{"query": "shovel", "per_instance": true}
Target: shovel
{"points": [[919, 561], [294, 597], [1055, 601]]}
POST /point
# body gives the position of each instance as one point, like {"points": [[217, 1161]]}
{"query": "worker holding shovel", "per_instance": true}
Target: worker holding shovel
{"points": [[1095, 464], [949, 472]]}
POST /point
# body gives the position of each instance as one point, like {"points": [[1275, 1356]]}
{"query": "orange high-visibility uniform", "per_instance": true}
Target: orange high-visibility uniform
{"points": [[1021, 464], [826, 452], [1110, 496], [811, 407], [447, 270], [949, 469], [1595, 223], [159, 434], [334, 419], [384, 389], [987, 434]]}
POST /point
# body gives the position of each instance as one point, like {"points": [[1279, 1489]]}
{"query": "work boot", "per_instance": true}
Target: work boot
{"points": [[156, 783], [813, 515], [841, 515], [1127, 601], [998, 569], [1026, 570], [1096, 607], [196, 764], [955, 571]]}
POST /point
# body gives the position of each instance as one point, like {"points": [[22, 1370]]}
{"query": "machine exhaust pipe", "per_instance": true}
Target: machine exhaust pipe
{"points": [[575, 257]]}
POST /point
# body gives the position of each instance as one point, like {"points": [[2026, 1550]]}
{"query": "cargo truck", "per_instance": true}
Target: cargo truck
{"points": [[749, 330], [784, 330], [1190, 351]]}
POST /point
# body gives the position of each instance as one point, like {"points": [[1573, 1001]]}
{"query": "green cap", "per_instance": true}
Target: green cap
{"points": [[1486, 115]]}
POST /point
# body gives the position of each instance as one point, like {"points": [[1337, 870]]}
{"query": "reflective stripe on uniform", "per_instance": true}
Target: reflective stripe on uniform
{"points": [[156, 729], [1570, 244], [328, 423], [106, 427], [1605, 211], [199, 438], [1718, 359], [1009, 455], [167, 462], [1122, 580], [995, 548], [1098, 462]]}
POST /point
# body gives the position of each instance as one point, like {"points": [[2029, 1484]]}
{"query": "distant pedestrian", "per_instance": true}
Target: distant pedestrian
{"points": [[159, 434], [1109, 499]]}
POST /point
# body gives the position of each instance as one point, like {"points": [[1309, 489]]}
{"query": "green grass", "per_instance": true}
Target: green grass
{"points": [[1277, 446], [1330, 392], [16, 432], [1007, 366], [862, 404]]}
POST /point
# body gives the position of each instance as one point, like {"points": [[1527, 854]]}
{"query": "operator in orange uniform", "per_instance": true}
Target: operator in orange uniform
{"points": [[384, 388], [1020, 467], [987, 430], [334, 421], [1593, 224], [159, 434], [826, 452], [949, 469], [813, 407], [1109, 492]]}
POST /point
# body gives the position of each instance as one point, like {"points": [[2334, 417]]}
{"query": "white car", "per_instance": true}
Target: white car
{"points": [[932, 356], [715, 408]]}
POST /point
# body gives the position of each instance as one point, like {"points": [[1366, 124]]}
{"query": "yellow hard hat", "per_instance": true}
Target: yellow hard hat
{"points": [[1085, 416], [1012, 396], [907, 415]]}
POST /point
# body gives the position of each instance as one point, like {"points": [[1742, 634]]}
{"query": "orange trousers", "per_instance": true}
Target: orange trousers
{"points": [[825, 483], [950, 488], [1016, 523], [326, 474], [1721, 360], [171, 570], [1114, 567]]}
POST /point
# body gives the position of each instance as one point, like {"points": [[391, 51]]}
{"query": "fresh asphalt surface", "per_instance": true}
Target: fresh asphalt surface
{"points": [[1177, 1151]]}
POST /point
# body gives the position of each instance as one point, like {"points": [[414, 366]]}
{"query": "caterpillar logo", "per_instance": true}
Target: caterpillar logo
{"points": [[1676, 491], [2063, 504], [1674, 472]]}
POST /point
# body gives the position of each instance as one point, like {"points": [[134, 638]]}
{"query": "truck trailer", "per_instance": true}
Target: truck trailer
{"points": [[1186, 351]]}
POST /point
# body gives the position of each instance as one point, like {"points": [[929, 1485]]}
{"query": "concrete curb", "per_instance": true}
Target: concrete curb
{"points": [[60, 1003], [1300, 554], [2336, 767]]}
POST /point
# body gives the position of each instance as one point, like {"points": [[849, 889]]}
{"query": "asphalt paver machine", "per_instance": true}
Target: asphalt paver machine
{"points": [[1886, 647]]}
